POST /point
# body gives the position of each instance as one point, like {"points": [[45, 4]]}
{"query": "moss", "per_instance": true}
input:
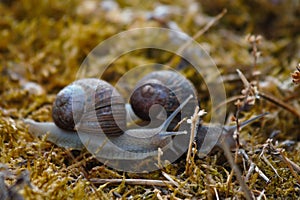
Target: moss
{"points": [[43, 43]]}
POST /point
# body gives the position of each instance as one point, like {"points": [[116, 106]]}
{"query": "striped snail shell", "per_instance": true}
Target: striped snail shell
{"points": [[88, 102]]}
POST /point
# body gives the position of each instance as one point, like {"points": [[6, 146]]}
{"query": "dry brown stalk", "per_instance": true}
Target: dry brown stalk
{"points": [[280, 103], [146, 182], [194, 123], [289, 164]]}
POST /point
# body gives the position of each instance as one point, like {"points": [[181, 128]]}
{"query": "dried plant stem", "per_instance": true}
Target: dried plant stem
{"points": [[280, 103], [278, 153], [237, 171], [261, 174], [180, 190], [216, 193], [250, 171], [236, 137], [268, 163], [253, 167], [167, 176], [203, 30], [146, 182], [289, 164], [228, 100], [261, 195], [198, 34], [179, 123], [194, 124]]}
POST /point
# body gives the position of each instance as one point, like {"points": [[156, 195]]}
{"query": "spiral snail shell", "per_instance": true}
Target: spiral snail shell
{"points": [[166, 88], [80, 101]]}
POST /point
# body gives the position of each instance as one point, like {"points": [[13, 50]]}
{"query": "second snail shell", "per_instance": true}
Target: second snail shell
{"points": [[166, 88]]}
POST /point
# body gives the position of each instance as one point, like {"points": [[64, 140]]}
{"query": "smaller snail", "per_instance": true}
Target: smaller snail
{"points": [[167, 88]]}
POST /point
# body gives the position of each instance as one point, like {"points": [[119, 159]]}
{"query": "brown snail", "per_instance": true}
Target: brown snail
{"points": [[106, 131], [166, 88]]}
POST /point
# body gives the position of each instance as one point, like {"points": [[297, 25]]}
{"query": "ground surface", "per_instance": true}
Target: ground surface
{"points": [[43, 43]]}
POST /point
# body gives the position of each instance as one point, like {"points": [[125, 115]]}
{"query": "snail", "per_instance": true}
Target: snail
{"points": [[165, 88], [97, 119]]}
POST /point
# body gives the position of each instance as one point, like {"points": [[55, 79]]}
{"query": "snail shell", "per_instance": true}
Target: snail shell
{"points": [[89, 102], [166, 88]]}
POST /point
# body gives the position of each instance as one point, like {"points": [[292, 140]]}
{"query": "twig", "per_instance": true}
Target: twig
{"points": [[179, 123], [216, 193], [291, 163], [227, 154], [236, 170], [167, 176], [198, 34], [228, 100], [243, 78], [261, 174], [194, 124], [84, 172], [146, 182], [254, 40], [180, 190], [268, 163], [261, 195], [280, 103], [248, 92], [202, 31], [250, 171], [254, 167], [288, 162], [279, 154]]}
